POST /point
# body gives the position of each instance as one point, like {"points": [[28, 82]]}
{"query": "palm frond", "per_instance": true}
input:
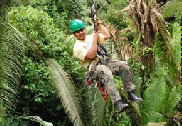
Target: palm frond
{"points": [[97, 107], [37, 119], [26, 121], [12, 51], [94, 106], [66, 92]]}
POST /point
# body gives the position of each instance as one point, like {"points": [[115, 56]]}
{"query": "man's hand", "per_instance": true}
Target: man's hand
{"points": [[99, 22], [103, 29]]}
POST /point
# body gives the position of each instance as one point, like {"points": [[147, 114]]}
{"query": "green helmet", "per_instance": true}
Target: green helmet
{"points": [[76, 25]]}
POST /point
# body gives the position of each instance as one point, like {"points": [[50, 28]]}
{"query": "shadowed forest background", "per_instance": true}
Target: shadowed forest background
{"points": [[41, 83]]}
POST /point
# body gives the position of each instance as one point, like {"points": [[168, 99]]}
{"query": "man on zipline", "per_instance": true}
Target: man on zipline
{"points": [[86, 50]]}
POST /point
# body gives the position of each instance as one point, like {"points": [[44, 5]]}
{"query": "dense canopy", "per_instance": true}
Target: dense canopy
{"points": [[41, 83]]}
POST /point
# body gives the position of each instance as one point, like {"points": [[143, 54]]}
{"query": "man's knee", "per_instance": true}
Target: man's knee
{"points": [[104, 72], [123, 65], [103, 68]]}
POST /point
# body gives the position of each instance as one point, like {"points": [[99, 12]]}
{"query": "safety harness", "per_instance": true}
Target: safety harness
{"points": [[103, 58]]}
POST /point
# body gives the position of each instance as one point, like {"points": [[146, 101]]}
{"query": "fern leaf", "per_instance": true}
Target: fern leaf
{"points": [[172, 8], [172, 99], [175, 43], [154, 99], [66, 92]]}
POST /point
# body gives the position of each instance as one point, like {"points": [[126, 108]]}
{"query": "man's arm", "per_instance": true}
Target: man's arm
{"points": [[93, 50], [103, 30]]}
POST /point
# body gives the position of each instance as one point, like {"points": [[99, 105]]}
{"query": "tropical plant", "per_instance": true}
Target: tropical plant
{"points": [[66, 90], [12, 51], [35, 80], [61, 11], [172, 8], [89, 112], [142, 36], [31, 66], [164, 88]]}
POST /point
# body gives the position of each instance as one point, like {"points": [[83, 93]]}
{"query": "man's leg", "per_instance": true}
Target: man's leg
{"points": [[122, 69], [104, 75]]}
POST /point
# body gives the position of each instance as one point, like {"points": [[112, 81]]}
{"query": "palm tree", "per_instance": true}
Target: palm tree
{"points": [[148, 19]]}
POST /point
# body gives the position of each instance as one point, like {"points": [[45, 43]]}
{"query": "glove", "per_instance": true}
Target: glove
{"points": [[99, 22]]}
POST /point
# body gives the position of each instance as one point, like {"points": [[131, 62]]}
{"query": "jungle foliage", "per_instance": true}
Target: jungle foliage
{"points": [[41, 83]]}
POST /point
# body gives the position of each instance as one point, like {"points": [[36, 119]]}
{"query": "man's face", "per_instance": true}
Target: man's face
{"points": [[80, 34]]}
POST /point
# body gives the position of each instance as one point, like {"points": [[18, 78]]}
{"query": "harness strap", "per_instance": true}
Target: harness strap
{"points": [[100, 85]]}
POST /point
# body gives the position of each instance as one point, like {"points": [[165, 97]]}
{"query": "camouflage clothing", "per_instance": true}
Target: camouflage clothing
{"points": [[103, 74]]}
